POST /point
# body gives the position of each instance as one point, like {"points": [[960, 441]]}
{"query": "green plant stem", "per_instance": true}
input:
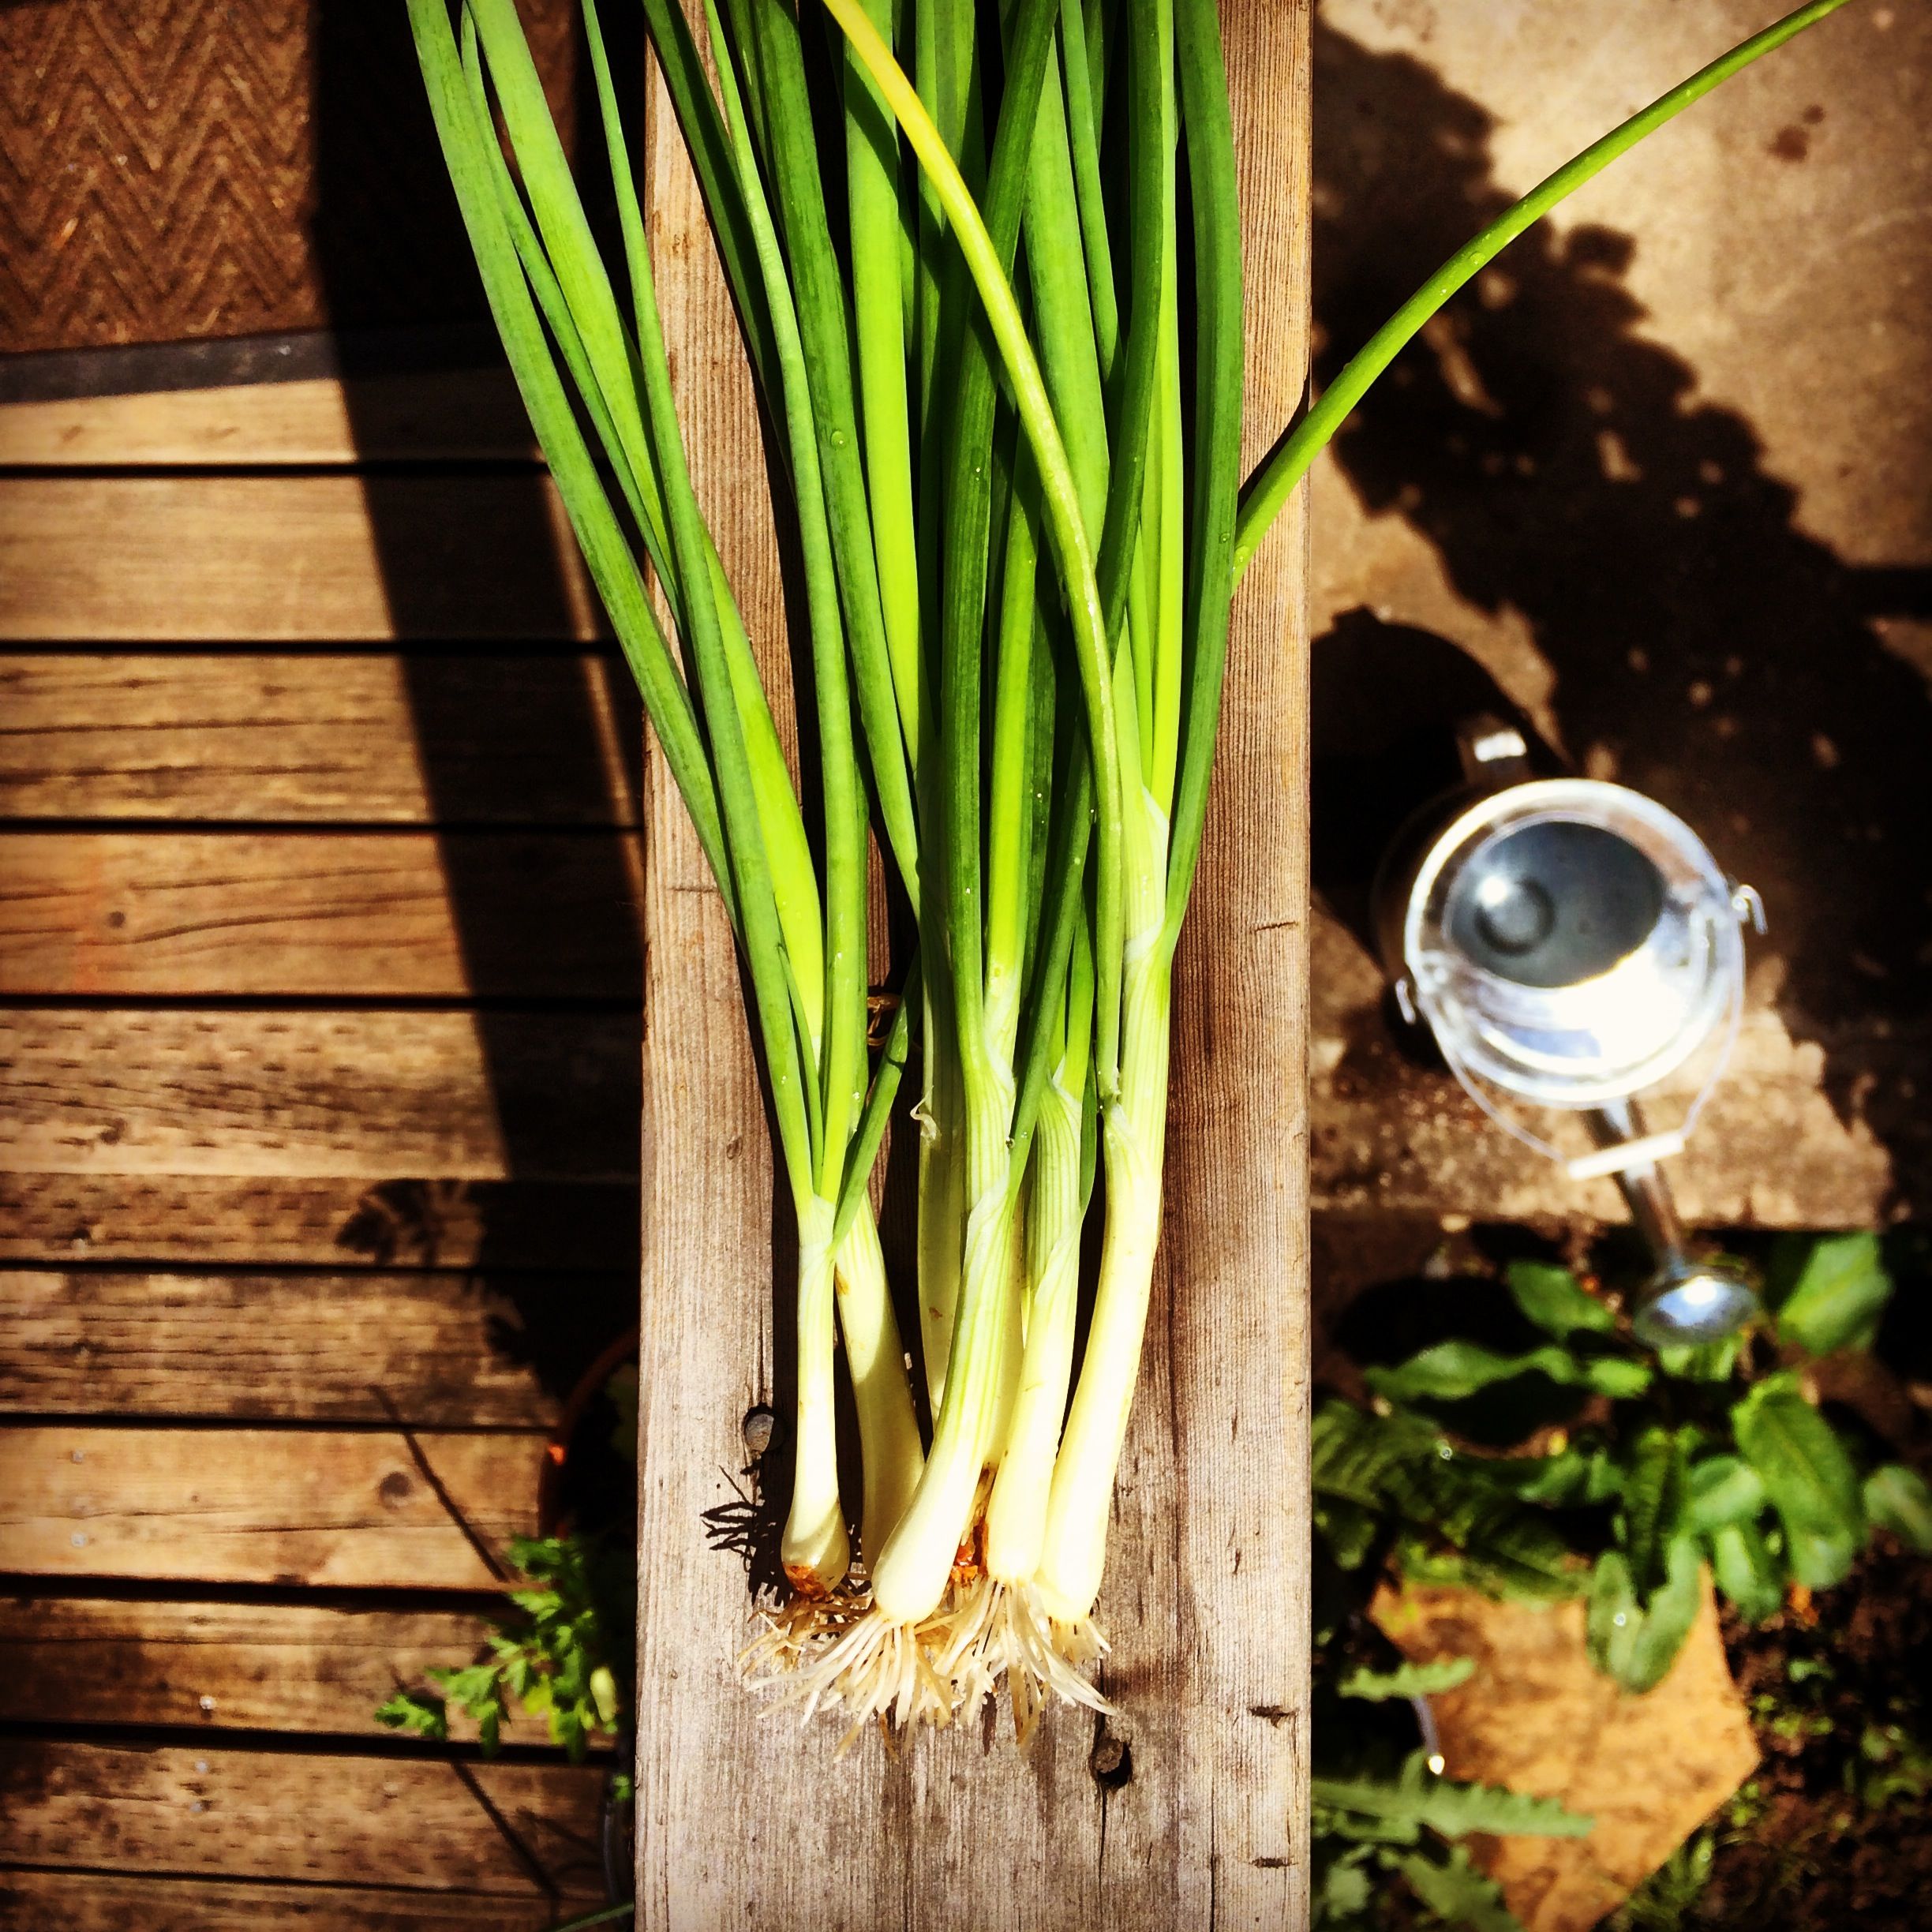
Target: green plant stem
{"points": [[1009, 790], [706, 142], [1268, 491], [820, 300], [471, 155], [887, 1429], [1074, 1557], [1146, 149], [889, 1437], [609, 1916], [880, 1097], [911, 1574], [795, 882], [1073, 554], [1083, 138], [877, 233], [1016, 1509], [1209, 588], [842, 1063]]}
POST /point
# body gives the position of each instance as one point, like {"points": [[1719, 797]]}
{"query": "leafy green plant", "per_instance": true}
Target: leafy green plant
{"points": [[568, 1661], [1677, 1459], [1375, 1821], [1391, 1486]]}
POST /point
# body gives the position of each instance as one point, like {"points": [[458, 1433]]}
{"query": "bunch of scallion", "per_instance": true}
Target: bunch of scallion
{"points": [[995, 326]]}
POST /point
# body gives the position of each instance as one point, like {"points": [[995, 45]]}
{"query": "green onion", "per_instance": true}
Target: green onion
{"points": [[1016, 538], [1268, 492]]}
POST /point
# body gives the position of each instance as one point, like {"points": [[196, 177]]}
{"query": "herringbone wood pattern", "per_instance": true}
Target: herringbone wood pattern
{"points": [[173, 169]]}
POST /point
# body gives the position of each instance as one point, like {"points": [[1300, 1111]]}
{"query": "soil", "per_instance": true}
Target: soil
{"points": [[1820, 1855]]}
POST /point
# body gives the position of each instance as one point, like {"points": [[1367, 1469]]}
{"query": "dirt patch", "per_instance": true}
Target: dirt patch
{"points": [[1830, 1846]]}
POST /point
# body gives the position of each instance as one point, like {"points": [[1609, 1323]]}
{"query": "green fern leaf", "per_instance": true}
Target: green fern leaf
{"points": [[1746, 1570], [1553, 1298], [1348, 1529], [1456, 1809], [1829, 1293], [1407, 1680], [1635, 1644], [1656, 1488], [1810, 1479], [1459, 1894], [1723, 1489], [1897, 1498]]}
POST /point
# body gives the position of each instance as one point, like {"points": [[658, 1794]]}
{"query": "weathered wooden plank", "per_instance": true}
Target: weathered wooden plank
{"points": [[1227, 1393], [418, 1349], [356, 1510], [420, 1823], [34, 1901], [426, 415], [457, 1095], [309, 1668], [1205, 1598], [218, 1221], [209, 915], [214, 558], [349, 737]]}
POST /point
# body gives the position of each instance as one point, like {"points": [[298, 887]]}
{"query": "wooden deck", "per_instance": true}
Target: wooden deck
{"points": [[319, 977], [321, 956]]}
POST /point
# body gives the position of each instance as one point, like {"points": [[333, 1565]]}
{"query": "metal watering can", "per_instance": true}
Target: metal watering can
{"points": [[1571, 945]]}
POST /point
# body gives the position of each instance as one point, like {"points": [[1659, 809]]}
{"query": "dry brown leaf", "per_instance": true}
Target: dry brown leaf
{"points": [[1537, 1717]]}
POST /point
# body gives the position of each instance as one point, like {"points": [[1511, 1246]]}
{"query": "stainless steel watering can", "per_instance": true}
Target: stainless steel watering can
{"points": [[1571, 945]]}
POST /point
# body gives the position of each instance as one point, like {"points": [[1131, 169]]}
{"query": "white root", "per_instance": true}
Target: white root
{"points": [[1002, 1634], [841, 1653]]}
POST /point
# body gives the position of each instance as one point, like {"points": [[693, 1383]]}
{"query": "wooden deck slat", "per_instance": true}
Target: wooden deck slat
{"points": [[40, 1901], [463, 1351], [207, 915], [254, 558], [346, 737], [308, 1669], [419, 1823], [347, 1222], [457, 1095], [425, 415], [354, 1510]]}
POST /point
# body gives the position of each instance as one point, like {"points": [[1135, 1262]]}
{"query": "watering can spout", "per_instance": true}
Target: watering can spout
{"points": [[1685, 1301]]}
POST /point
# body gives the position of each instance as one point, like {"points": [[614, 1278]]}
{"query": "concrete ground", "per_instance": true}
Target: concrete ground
{"points": [[1662, 483]]}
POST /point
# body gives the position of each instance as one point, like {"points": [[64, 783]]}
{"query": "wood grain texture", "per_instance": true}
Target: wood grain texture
{"points": [[214, 558], [310, 1669], [206, 169], [1207, 1593], [346, 738], [421, 1823], [173, 915], [1233, 1413], [322, 1220], [353, 1510], [425, 415], [457, 1095], [32, 1900], [418, 1349]]}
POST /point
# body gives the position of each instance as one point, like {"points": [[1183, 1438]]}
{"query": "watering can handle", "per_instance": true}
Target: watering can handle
{"points": [[1494, 753]]}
